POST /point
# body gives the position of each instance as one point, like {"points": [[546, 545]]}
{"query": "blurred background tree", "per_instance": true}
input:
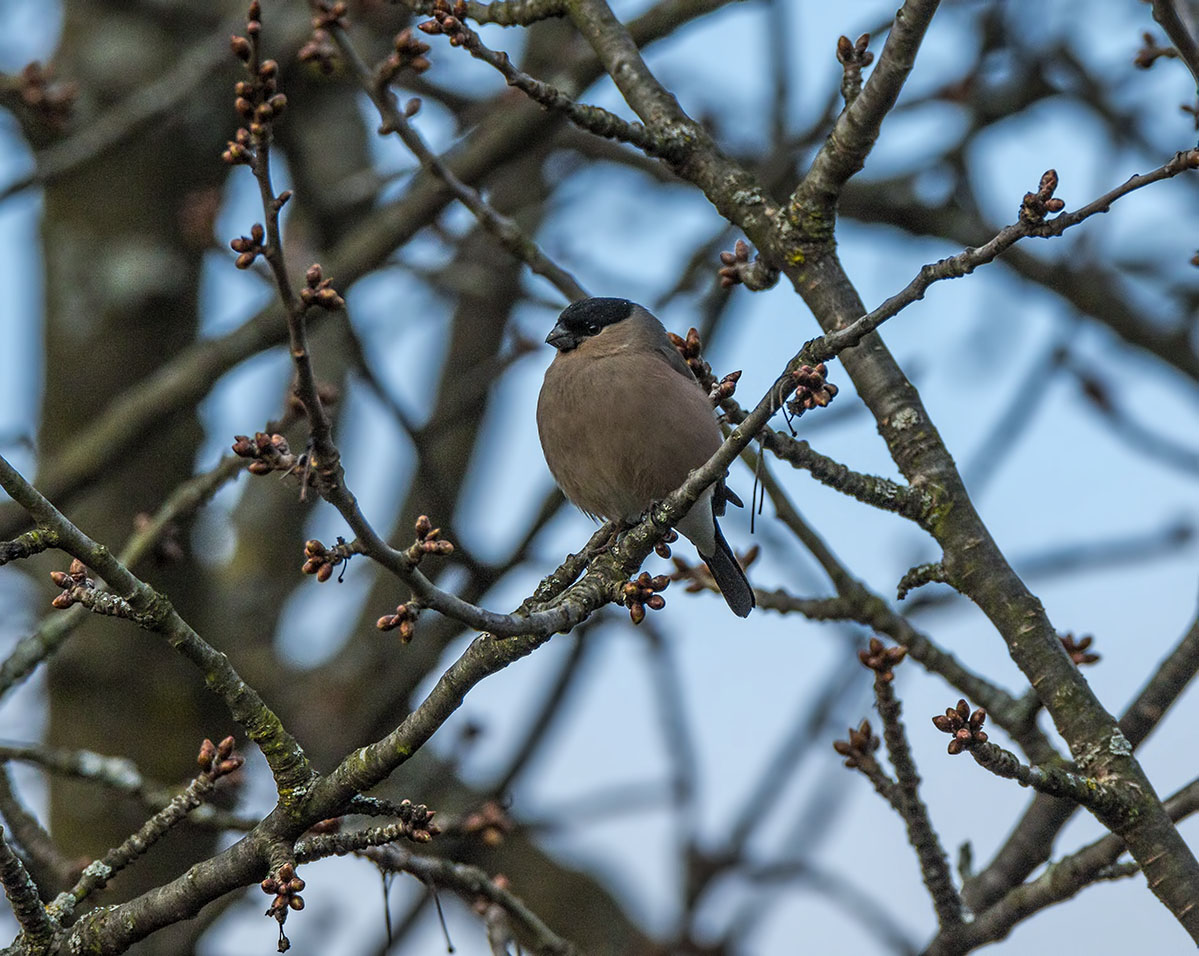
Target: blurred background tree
{"points": [[671, 787]]}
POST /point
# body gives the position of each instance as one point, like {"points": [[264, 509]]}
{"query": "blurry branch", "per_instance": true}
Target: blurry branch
{"points": [[812, 716], [859, 904], [542, 719], [1102, 394], [1003, 436], [1176, 19], [505, 229], [473, 885], [1066, 559], [149, 102]]}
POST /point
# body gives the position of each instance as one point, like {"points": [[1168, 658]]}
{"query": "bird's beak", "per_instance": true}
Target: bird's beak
{"points": [[561, 338]]}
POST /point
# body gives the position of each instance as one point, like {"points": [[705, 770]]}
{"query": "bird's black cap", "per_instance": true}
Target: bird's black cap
{"points": [[586, 318]]}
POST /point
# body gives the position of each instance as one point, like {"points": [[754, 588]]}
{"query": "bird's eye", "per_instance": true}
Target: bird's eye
{"points": [[592, 328]]}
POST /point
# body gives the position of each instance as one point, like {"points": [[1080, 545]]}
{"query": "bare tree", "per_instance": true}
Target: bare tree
{"points": [[389, 310]]}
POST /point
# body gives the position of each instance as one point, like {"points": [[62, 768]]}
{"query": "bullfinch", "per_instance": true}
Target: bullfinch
{"points": [[623, 422]]}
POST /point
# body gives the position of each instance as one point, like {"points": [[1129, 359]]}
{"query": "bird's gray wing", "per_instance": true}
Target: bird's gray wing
{"points": [[670, 354]]}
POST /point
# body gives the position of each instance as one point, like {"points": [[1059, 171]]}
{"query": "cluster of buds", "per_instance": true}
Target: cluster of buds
{"points": [[447, 21], [428, 541], [642, 593], [853, 57], [882, 659], [404, 618], [490, 823], [691, 348], [812, 390], [218, 760], [417, 820], [320, 48], [269, 453], [1079, 649], [78, 588], [319, 291], [1039, 204], [966, 727], [249, 248], [738, 269], [663, 547], [285, 886], [859, 749], [76, 577], [238, 151], [321, 561], [725, 388], [408, 53], [53, 102], [257, 99]]}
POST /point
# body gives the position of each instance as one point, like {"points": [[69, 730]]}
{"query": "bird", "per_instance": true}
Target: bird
{"points": [[623, 421]]}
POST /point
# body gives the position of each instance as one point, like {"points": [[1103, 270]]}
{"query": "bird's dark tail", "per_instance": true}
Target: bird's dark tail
{"points": [[729, 577]]}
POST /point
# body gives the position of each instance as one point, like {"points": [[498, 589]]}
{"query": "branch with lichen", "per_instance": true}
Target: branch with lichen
{"points": [[26, 545], [504, 13], [967, 735], [216, 761], [149, 535], [154, 612], [37, 928], [1063, 879]]}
